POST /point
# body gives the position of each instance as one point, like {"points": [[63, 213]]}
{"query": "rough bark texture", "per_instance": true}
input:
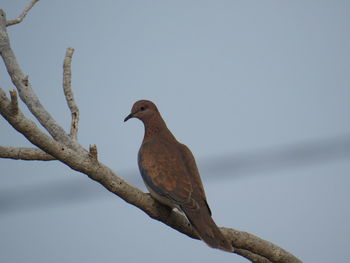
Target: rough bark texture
{"points": [[65, 148]]}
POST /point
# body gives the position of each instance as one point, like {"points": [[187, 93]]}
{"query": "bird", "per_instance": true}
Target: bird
{"points": [[170, 173]]}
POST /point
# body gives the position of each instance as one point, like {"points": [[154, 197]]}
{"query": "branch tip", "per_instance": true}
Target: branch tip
{"points": [[68, 93], [23, 15], [24, 153], [69, 52]]}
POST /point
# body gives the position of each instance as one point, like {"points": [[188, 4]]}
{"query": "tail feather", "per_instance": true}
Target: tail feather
{"points": [[207, 230]]}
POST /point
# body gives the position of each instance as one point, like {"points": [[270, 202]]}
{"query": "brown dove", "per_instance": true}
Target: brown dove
{"points": [[170, 173]]}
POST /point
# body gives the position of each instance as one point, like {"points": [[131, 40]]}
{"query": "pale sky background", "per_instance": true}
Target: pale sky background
{"points": [[259, 90]]}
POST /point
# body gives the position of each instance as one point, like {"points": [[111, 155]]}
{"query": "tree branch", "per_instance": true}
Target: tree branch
{"points": [[97, 171], [65, 149], [23, 15], [67, 80], [27, 154], [25, 91]]}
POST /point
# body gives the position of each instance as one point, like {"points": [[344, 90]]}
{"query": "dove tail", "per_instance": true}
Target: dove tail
{"points": [[207, 230]]}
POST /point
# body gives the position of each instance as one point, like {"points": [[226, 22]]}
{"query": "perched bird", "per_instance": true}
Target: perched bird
{"points": [[170, 173]]}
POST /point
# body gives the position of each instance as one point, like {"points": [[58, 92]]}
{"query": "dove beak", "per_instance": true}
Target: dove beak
{"points": [[131, 115]]}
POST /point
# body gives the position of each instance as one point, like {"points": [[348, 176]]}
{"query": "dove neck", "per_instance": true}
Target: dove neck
{"points": [[156, 127]]}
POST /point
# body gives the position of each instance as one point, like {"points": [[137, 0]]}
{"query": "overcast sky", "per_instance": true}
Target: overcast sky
{"points": [[259, 90]]}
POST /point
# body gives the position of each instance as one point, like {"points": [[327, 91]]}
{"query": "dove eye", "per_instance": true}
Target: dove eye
{"points": [[142, 108]]}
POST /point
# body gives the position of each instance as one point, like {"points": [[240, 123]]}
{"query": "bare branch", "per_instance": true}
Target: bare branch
{"points": [[105, 176], [23, 15], [25, 90], [27, 154], [65, 149], [67, 80]]}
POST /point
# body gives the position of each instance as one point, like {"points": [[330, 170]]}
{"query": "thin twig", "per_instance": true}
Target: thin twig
{"points": [[67, 88], [23, 15], [23, 153]]}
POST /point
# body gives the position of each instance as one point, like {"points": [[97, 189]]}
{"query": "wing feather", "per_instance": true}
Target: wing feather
{"points": [[163, 170]]}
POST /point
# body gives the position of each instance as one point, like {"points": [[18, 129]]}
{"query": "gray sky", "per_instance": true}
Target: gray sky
{"points": [[240, 82]]}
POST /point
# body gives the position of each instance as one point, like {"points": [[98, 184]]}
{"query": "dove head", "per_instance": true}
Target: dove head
{"points": [[143, 110], [147, 112]]}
